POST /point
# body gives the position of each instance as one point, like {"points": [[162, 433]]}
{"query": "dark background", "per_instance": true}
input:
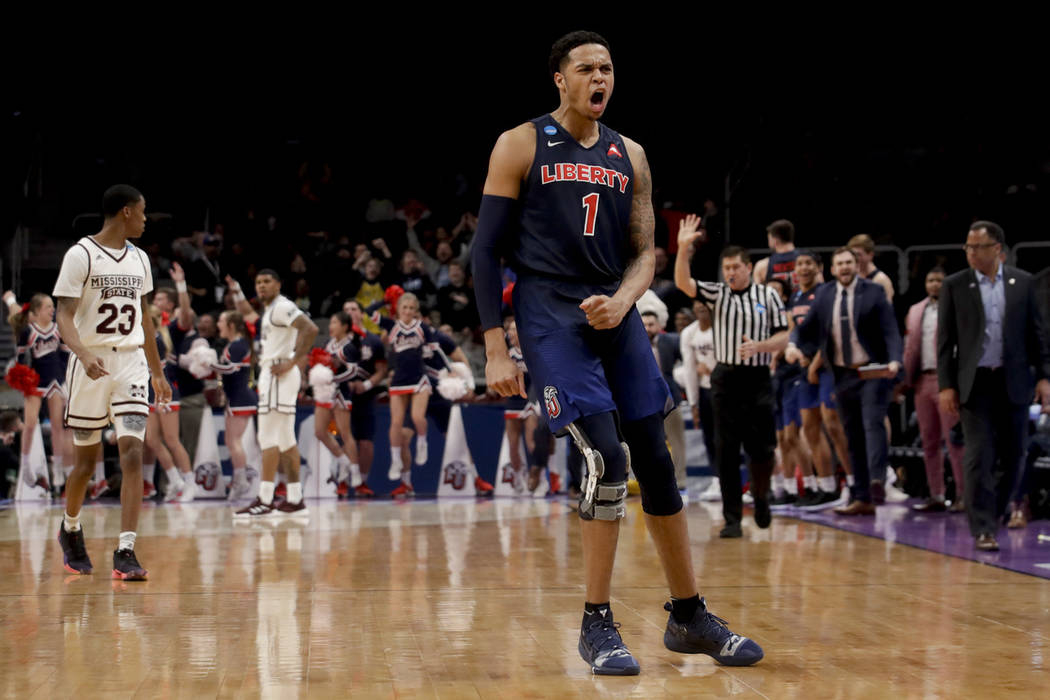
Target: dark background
{"points": [[902, 131]]}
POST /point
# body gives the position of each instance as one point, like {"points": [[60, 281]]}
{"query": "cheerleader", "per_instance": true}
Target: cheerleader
{"points": [[523, 414], [407, 337], [345, 359], [364, 387], [162, 427], [41, 348], [234, 369]]}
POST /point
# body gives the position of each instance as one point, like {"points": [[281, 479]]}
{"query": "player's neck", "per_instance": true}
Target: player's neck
{"points": [[783, 247], [111, 236], [865, 270], [583, 129], [811, 286]]}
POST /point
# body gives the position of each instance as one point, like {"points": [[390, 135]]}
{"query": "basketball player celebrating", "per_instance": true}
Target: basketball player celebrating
{"points": [[576, 198], [104, 320], [287, 336]]}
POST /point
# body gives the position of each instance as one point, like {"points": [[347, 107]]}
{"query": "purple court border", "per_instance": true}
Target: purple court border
{"points": [[946, 533]]}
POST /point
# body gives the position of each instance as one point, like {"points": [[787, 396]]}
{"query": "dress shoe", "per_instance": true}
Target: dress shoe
{"points": [[878, 493], [1018, 521], [730, 531], [856, 508], [957, 506], [986, 542], [931, 505], [762, 515]]}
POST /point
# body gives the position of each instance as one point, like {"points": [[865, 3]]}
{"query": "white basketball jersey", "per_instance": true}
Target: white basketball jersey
{"points": [[109, 284], [278, 334]]}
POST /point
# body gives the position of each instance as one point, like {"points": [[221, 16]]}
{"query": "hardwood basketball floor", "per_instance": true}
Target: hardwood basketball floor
{"points": [[476, 599]]}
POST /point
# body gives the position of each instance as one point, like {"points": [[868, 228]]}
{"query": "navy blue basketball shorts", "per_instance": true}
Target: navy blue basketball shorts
{"points": [[577, 370], [814, 395]]}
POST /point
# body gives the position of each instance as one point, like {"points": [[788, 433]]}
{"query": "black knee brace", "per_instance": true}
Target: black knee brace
{"points": [[652, 465], [599, 441]]}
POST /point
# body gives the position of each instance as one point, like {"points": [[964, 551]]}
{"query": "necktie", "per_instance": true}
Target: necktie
{"points": [[844, 327]]}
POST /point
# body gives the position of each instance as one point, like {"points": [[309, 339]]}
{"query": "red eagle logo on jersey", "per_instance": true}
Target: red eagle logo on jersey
{"points": [[614, 151], [550, 396]]}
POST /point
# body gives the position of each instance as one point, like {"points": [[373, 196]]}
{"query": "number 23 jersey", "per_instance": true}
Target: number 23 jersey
{"points": [[109, 285]]}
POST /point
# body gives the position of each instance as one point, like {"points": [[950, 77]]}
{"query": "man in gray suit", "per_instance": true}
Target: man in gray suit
{"points": [[990, 334]]}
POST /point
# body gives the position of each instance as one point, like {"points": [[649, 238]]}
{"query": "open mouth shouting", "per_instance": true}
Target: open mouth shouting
{"points": [[597, 101]]}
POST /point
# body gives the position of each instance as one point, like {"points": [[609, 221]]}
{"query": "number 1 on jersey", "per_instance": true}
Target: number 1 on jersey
{"points": [[590, 203]]}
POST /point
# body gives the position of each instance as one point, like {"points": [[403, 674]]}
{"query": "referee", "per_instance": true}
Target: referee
{"points": [[749, 327]]}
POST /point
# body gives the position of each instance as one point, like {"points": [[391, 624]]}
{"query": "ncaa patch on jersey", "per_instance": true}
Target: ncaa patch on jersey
{"points": [[550, 130], [550, 397]]}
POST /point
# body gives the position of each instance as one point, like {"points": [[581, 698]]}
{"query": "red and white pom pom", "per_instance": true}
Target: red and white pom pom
{"points": [[23, 378]]}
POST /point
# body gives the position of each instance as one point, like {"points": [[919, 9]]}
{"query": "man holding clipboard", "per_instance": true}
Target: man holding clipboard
{"points": [[853, 323]]}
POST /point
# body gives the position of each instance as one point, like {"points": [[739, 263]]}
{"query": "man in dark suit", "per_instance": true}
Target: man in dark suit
{"points": [[851, 321], [990, 334]]}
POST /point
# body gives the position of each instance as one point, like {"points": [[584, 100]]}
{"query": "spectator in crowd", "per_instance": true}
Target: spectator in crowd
{"points": [[682, 318], [920, 366], [205, 277], [437, 267], [413, 279], [456, 300], [370, 292], [207, 328]]}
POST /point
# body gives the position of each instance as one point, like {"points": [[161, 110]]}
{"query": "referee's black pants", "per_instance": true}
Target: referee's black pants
{"points": [[743, 403]]}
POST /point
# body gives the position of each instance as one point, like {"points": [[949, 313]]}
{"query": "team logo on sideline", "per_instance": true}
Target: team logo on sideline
{"points": [[207, 475], [550, 130], [456, 474], [550, 397], [614, 151]]}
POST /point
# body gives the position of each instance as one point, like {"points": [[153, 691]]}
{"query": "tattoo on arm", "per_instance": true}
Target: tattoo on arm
{"points": [[642, 222]]}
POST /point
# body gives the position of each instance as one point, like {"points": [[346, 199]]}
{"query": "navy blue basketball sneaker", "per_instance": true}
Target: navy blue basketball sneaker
{"points": [[709, 634], [601, 647]]}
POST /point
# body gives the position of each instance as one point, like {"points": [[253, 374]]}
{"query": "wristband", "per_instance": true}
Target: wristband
{"points": [[367, 385], [180, 286]]}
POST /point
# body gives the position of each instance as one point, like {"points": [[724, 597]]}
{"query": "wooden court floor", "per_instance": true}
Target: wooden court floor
{"points": [[474, 599]]}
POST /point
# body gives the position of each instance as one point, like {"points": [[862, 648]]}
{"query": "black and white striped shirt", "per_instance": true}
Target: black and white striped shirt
{"points": [[756, 312]]}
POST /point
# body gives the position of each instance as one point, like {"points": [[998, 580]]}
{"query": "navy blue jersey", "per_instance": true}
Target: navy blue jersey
{"points": [[432, 358], [183, 340], [44, 352], [576, 204], [406, 343], [363, 352], [800, 303], [235, 368], [782, 267]]}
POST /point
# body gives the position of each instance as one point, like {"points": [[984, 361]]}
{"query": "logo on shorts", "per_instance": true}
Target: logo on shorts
{"points": [[137, 391], [550, 397], [456, 474]]}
